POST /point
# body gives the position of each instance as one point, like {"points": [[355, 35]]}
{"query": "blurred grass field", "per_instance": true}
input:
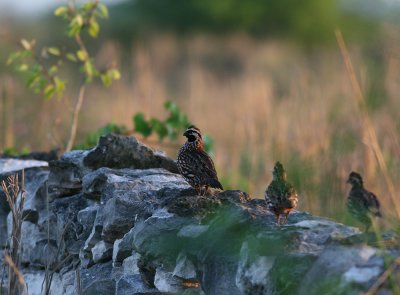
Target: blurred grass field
{"points": [[261, 100]]}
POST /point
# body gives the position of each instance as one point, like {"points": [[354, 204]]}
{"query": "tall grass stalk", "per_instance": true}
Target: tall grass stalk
{"points": [[367, 124], [15, 195]]}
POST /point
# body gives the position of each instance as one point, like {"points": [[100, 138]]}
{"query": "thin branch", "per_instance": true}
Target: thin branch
{"points": [[383, 277], [75, 117], [8, 260]]}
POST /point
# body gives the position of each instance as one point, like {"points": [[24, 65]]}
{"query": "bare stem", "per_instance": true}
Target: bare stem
{"points": [[75, 117]]}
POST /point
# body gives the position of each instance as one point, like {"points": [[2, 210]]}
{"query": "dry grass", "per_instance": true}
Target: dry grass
{"points": [[261, 101], [15, 195]]}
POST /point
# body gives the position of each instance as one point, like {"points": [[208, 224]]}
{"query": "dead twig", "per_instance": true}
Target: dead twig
{"points": [[8, 260], [15, 196], [383, 277]]}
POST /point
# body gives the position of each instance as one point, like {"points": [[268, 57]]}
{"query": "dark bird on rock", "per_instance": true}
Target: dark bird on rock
{"points": [[281, 197], [195, 164], [361, 203]]}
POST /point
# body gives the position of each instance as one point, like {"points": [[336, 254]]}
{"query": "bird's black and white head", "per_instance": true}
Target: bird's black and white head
{"points": [[193, 134], [279, 172], [355, 179]]}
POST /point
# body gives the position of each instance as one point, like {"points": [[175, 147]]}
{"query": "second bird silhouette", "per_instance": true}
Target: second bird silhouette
{"points": [[195, 165], [361, 203], [281, 197]]}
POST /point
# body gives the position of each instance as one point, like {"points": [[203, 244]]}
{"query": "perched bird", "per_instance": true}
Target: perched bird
{"points": [[195, 164], [362, 204], [281, 197]]}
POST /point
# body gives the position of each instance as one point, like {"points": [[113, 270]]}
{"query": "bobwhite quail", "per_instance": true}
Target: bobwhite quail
{"points": [[195, 164], [281, 197], [362, 204]]}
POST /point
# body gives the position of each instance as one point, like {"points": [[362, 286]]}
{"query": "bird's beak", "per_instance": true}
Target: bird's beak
{"points": [[185, 133], [348, 180]]}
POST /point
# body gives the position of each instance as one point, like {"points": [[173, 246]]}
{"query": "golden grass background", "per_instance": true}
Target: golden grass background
{"points": [[261, 101]]}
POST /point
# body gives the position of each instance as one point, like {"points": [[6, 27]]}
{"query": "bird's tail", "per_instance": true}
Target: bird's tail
{"points": [[214, 183]]}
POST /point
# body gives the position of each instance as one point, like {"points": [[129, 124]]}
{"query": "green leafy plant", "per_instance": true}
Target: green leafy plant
{"points": [[43, 70], [173, 126], [170, 128]]}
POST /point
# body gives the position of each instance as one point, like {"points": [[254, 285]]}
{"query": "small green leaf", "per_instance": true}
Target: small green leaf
{"points": [[159, 128], [53, 70], [103, 10], [54, 51], [60, 10], [93, 28], [77, 20], [105, 78], [82, 55], [23, 67], [59, 85], [88, 6], [26, 44], [71, 57], [33, 79], [49, 91], [114, 74], [13, 56], [88, 68], [74, 30], [141, 125]]}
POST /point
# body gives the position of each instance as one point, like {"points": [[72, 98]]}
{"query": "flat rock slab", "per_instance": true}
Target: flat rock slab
{"points": [[14, 165]]}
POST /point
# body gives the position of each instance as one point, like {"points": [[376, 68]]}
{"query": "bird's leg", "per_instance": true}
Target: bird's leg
{"points": [[286, 216], [205, 190], [198, 190], [278, 218]]}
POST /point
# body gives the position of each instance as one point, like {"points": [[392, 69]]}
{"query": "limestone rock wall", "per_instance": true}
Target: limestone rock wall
{"points": [[117, 219]]}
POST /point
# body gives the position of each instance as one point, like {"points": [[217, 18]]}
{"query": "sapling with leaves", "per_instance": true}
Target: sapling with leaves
{"points": [[42, 65]]}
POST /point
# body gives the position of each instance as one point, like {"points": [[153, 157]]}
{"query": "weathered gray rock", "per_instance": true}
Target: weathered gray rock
{"points": [[86, 218], [116, 151], [153, 184], [102, 252], [98, 280], [35, 195], [34, 281], [31, 235], [131, 195], [85, 254], [123, 247], [44, 254], [160, 229], [166, 282], [350, 269], [65, 178], [38, 241], [68, 282], [10, 165], [120, 214], [130, 264], [70, 233], [163, 238], [133, 285]]}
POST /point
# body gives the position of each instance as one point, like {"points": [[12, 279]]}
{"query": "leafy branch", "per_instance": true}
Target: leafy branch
{"points": [[43, 70]]}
